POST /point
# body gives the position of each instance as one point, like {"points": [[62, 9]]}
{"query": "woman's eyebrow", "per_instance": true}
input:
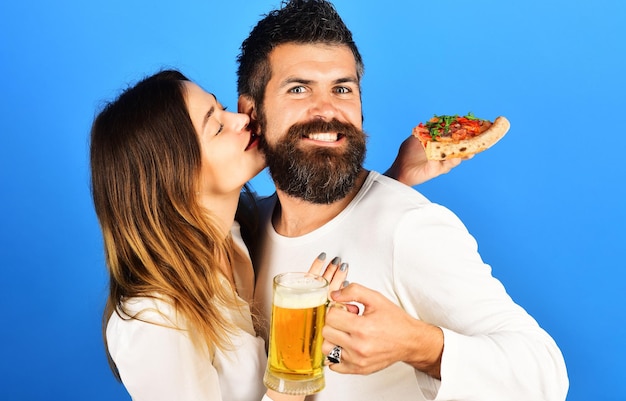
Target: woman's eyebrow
{"points": [[207, 116], [209, 113]]}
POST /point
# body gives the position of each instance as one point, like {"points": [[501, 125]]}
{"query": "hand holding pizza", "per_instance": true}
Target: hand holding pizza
{"points": [[438, 146], [412, 167]]}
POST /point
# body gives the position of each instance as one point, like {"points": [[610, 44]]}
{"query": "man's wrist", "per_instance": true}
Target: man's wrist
{"points": [[394, 172], [429, 351]]}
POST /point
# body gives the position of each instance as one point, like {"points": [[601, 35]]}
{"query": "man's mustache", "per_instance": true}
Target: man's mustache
{"points": [[300, 130]]}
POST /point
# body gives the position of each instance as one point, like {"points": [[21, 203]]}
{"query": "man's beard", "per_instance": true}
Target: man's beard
{"points": [[320, 175]]}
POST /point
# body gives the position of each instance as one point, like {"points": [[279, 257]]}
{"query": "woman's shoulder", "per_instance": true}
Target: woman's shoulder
{"points": [[154, 309]]}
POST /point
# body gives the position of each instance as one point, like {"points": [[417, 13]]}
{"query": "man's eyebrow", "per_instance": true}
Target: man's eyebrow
{"points": [[351, 80], [296, 80]]}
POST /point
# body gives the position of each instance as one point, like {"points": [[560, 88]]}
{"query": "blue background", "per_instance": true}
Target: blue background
{"points": [[546, 203]]}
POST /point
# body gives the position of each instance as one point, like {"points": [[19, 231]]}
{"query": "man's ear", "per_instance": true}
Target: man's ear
{"points": [[246, 105]]}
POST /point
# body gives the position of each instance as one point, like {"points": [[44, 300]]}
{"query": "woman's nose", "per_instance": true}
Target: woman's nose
{"points": [[240, 121]]}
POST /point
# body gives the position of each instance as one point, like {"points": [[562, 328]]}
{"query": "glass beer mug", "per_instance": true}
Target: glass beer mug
{"points": [[295, 361]]}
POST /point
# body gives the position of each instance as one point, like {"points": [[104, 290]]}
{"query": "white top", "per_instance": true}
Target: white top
{"points": [[158, 363], [420, 256]]}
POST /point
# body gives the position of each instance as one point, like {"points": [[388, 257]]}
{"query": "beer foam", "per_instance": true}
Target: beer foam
{"points": [[299, 298]]}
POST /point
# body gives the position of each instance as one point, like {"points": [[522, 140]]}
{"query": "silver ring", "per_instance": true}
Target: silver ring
{"points": [[334, 356]]}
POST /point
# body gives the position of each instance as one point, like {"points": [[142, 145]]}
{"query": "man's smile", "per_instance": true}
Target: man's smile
{"points": [[324, 137]]}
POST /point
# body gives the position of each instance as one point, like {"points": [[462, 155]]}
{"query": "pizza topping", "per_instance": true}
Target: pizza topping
{"points": [[452, 128]]}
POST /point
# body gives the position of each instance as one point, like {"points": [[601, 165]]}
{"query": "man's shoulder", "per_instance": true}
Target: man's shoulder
{"points": [[394, 191], [384, 199]]}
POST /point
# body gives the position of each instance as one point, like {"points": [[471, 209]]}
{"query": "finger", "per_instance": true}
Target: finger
{"points": [[339, 323], [346, 352], [318, 264], [345, 366], [355, 293], [331, 268], [338, 278], [449, 164], [355, 309], [327, 349], [327, 346], [454, 162], [332, 337]]}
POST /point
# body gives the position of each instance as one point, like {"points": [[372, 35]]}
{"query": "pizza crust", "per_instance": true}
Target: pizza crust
{"points": [[446, 150]]}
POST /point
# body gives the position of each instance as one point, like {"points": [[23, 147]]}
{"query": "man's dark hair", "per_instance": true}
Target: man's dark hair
{"points": [[296, 21]]}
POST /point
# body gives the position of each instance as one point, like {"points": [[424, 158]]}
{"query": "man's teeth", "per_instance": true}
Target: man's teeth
{"points": [[323, 137]]}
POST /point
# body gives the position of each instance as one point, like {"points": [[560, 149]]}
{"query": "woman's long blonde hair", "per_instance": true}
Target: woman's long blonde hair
{"points": [[158, 241]]}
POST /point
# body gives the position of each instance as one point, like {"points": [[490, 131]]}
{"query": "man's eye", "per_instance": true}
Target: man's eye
{"points": [[343, 90], [297, 89]]}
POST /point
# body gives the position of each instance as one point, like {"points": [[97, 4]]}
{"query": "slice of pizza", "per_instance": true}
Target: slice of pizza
{"points": [[448, 136]]}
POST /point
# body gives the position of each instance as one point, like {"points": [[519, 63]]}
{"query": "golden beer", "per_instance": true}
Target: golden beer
{"points": [[295, 360]]}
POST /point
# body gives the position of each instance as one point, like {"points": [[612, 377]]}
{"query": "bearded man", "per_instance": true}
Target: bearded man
{"points": [[435, 324]]}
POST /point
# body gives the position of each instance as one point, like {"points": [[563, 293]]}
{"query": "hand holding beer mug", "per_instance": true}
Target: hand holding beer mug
{"points": [[295, 361]]}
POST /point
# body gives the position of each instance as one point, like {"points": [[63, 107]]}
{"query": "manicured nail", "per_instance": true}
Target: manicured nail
{"points": [[343, 267], [345, 284], [322, 256], [336, 260]]}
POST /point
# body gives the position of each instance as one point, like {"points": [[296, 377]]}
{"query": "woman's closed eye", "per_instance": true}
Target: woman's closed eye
{"points": [[221, 127]]}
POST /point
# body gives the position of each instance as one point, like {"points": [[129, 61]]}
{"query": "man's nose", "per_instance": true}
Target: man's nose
{"points": [[323, 107]]}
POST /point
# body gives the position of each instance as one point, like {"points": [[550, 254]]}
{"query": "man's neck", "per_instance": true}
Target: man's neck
{"points": [[294, 217]]}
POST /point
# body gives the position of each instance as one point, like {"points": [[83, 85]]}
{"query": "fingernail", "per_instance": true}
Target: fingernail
{"points": [[322, 256], [336, 260], [345, 284], [343, 267]]}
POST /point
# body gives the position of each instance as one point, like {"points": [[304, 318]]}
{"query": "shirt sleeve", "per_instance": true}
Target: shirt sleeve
{"points": [[158, 363], [493, 349]]}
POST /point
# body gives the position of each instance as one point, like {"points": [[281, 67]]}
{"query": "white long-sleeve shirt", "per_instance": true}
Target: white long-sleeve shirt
{"points": [[158, 363], [421, 257]]}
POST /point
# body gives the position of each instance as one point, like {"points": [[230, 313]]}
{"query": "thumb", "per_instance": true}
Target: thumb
{"points": [[355, 294]]}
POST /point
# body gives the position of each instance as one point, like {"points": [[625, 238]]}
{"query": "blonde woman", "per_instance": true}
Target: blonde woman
{"points": [[168, 164]]}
